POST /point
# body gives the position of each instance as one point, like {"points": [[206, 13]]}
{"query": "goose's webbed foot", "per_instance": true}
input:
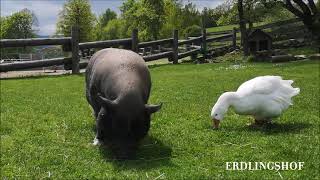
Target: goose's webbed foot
{"points": [[258, 123]]}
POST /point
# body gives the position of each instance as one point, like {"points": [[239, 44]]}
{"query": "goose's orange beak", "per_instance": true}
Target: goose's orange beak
{"points": [[216, 124]]}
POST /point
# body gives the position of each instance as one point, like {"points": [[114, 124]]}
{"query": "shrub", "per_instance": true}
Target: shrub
{"points": [[251, 58], [115, 29], [193, 30]]}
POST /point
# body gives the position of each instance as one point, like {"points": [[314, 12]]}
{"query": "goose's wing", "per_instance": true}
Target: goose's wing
{"points": [[264, 85]]}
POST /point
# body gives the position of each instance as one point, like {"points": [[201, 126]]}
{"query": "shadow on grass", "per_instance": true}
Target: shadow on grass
{"points": [[152, 153], [276, 128]]}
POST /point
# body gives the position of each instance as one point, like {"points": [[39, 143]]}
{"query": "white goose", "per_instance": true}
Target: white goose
{"points": [[263, 97]]}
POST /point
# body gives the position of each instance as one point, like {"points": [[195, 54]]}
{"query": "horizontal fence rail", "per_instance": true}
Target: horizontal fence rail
{"points": [[158, 56], [153, 43], [220, 32], [219, 38], [277, 24], [72, 44], [171, 48], [220, 48], [189, 41], [4, 67], [188, 53], [281, 30], [82, 65], [104, 44], [5, 43]]}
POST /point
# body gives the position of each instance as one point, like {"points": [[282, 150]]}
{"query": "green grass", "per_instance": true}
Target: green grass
{"points": [[302, 51], [160, 61], [47, 127], [230, 27], [222, 28]]}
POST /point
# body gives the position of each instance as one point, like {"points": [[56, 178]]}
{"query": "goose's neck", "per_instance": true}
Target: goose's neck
{"points": [[228, 99]]}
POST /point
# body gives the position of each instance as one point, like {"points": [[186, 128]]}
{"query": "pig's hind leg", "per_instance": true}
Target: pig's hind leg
{"points": [[99, 126]]}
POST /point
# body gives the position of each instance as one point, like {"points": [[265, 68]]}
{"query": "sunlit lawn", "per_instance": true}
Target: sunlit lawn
{"points": [[47, 127], [229, 27]]}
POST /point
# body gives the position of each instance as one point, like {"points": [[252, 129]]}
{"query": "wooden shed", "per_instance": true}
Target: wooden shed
{"points": [[259, 41]]}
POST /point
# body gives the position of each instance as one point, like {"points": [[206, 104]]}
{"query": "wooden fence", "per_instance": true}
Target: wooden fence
{"points": [[278, 30], [71, 44], [192, 46]]}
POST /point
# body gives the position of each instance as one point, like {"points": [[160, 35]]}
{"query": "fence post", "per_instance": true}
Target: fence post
{"points": [[234, 38], [194, 57], [175, 46], [75, 49], [135, 40], [204, 42]]}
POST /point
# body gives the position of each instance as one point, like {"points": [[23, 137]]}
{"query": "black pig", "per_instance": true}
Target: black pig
{"points": [[118, 86]]}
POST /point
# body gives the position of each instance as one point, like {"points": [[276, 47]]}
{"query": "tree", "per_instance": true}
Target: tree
{"points": [[156, 8], [146, 15], [107, 16], [253, 11], [180, 17], [76, 13], [229, 17], [226, 13], [114, 30], [193, 30], [127, 5], [243, 28], [307, 11], [103, 21], [190, 15], [208, 18], [276, 13], [172, 13], [19, 25]]}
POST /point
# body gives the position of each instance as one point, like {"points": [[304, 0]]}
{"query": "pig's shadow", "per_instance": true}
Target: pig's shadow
{"points": [[151, 153]]}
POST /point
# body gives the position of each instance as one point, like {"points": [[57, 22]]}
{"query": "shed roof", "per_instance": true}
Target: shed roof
{"points": [[257, 32]]}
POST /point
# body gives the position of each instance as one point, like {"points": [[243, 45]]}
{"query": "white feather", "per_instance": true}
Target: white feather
{"points": [[264, 97]]}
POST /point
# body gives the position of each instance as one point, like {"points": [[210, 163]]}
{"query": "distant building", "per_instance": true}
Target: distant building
{"points": [[259, 41]]}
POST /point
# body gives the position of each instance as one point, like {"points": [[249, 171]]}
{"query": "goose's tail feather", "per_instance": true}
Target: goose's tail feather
{"points": [[295, 92], [288, 82], [286, 92]]}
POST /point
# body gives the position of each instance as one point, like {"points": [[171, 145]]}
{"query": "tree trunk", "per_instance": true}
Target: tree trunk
{"points": [[250, 25], [309, 14], [313, 25], [243, 29]]}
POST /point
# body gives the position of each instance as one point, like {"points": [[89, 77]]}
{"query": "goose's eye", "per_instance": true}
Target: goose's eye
{"points": [[216, 115]]}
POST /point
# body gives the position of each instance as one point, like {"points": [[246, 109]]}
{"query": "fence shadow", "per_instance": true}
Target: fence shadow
{"points": [[152, 153]]}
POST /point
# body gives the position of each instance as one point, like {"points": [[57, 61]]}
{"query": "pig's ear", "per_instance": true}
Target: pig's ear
{"points": [[106, 102], [150, 108]]}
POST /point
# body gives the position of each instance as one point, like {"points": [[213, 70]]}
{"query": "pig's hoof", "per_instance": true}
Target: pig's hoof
{"points": [[96, 142]]}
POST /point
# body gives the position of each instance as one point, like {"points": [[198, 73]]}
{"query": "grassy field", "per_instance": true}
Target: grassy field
{"points": [[222, 28], [47, 127], [229, 27]]}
